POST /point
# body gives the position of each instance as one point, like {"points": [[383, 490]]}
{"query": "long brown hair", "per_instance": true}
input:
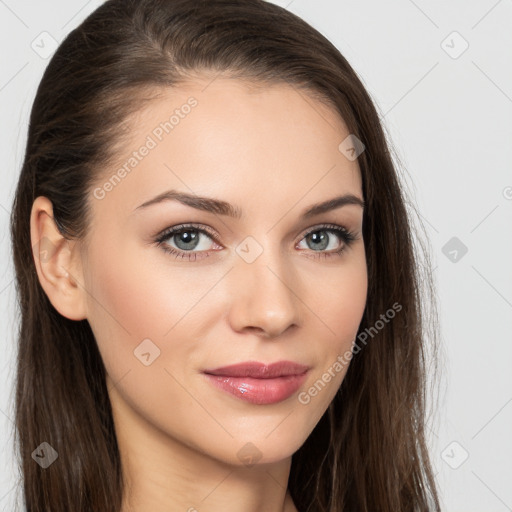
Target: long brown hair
{"points": [[369, 450]]}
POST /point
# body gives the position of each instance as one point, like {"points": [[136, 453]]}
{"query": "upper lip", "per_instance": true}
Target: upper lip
{"points": [[259, 370]]}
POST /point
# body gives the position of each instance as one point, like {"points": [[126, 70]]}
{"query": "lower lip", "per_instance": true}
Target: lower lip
{"points": [[259, 391]]}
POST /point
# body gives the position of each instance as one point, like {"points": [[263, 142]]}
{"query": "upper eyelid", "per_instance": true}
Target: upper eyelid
{"points": [[179, 227]]}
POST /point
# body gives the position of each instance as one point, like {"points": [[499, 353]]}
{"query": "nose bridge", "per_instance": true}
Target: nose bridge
{"points": [[262, 291]]}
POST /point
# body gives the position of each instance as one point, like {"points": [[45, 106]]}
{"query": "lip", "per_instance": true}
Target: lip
{"points": [[259, 383]]}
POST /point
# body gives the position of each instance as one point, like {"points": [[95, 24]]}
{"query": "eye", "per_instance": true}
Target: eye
{"points": [[187, 238], [321, 238], [190, 241]]}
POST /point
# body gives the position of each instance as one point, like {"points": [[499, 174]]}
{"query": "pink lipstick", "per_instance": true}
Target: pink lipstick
{"points": [[259, 383]]}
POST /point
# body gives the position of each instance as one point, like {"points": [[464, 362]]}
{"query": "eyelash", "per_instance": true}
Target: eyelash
{"points": [[348, 237]]}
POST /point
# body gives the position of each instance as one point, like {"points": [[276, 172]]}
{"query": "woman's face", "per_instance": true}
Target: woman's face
{"points": [[266, 285]]}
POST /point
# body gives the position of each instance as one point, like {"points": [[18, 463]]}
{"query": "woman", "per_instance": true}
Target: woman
{"points": [[218, 288]]}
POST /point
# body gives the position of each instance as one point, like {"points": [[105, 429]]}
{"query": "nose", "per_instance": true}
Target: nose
{"points": [[262, 298]]}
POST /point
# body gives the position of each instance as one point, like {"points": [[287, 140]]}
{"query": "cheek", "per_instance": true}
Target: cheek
{"points": [[338, 304], [338, 311], [352, 295], [135, 296], [127, 303], [338, 300]]}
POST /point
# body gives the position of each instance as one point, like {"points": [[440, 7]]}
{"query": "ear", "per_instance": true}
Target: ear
{"points": [[58, 262]]}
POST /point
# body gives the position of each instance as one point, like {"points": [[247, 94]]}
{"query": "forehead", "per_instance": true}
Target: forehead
{"points": [[244, 143]]}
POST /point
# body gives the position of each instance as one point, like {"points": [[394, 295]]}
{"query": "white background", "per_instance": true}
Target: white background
{"points": [[449, 117]]}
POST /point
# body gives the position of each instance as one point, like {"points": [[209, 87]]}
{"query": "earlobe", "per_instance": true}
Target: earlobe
{"points": [[57, 261]]}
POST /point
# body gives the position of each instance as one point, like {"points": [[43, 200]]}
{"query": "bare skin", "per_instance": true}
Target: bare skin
{"points": [[272, 153]]}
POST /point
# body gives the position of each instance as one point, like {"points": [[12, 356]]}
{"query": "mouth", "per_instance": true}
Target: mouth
{"points": [[259, 383]]}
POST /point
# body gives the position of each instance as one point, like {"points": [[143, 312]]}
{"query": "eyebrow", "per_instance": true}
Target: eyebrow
{"points": [[219, 207]]}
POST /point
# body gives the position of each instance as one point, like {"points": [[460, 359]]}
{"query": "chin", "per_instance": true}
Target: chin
{"points": [[259, 450]]}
